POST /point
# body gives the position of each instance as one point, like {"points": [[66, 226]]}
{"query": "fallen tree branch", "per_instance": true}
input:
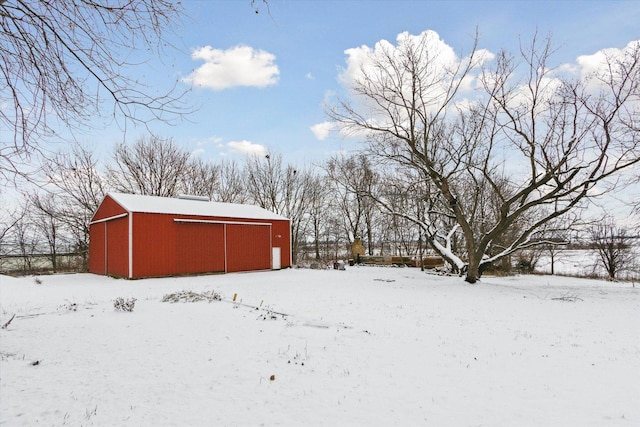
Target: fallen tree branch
{"points": [[7, 324], [569, 298]]}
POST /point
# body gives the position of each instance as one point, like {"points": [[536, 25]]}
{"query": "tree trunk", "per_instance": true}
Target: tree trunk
{"points": [[473, 273]]}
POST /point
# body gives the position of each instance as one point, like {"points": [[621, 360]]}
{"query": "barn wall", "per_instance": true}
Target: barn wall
{"points": [[118, 247], [97, 234], [199, 248], [282, 228], [248, 247], [108, 244], [154, 245], [108, 208]]}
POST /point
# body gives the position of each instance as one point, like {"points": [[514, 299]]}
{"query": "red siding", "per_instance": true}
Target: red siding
{"points": [[97, 233], [108, 208], [118, 247], [200, 248], [109, 247], [281, 234], [110, 236], [248, 247], [154, 245]]}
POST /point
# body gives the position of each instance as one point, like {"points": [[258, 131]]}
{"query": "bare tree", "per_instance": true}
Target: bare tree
{"points": [[200, 178], [8, 220], [613, 247], [352, 180], [536, 143], [557, 237], [48, 219], [153, 166], [62, 64], [232, 183], [283, 189], [25, 237], [318, 212], [74, 179]]}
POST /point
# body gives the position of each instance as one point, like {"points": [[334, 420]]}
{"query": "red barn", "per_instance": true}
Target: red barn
{"points": [[146, 236]]}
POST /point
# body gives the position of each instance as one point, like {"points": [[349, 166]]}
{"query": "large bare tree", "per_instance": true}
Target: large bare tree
{"points": [[613, 247], [231, 183], [317, 217], [284, 189], [352, 179], [49, 222], [64, 63], [8, 220], [533, 142], [79, 187], [152, 166], [201, 178]]}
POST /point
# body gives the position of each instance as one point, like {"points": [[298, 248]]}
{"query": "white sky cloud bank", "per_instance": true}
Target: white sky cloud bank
{"points": [[597, 61], [321, 130], [440, 69], [366, 65], [437, 57], [247, 147], [237, 66]]}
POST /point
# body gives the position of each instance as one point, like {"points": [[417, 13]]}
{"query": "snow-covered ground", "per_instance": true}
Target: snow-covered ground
{"points": [[362, 347]]}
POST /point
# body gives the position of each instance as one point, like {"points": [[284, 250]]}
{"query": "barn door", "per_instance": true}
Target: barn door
{"points": [[248, 247], [275, 258]]}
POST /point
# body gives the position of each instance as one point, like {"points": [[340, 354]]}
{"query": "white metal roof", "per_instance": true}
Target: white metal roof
{"points": [[175, 206]]}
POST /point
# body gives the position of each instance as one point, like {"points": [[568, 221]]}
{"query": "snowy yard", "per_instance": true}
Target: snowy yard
{"points": [[362, 347]]}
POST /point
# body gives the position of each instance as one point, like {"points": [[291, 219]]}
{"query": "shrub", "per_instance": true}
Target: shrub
{"points": [[121, 304], [190, 296]]}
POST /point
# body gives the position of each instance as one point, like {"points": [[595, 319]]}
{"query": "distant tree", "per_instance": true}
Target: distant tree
{"points": [[48, 219], [200, 178], [283, 189], [79, 186], [232, 183], [7, 221], [562, 137], [352, 180], [613, 247], [152, 166], [318, 215], [76, 175], [64, 63], [24, 236], [399, 196], [556, 247]]}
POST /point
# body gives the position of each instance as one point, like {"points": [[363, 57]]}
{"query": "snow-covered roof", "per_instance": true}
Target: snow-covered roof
{"points": [[176, 206]]}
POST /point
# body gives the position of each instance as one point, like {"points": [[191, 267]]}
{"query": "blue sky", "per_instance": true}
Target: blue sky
{"points": [[270, 73]]}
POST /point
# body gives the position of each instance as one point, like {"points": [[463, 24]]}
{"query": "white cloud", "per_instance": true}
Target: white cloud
{"points": [[197, 151], [436, 56], [309, 76], [247, 147], [603, 63], [321, 130], [237, 66], [373, 67], [210, 140]]}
